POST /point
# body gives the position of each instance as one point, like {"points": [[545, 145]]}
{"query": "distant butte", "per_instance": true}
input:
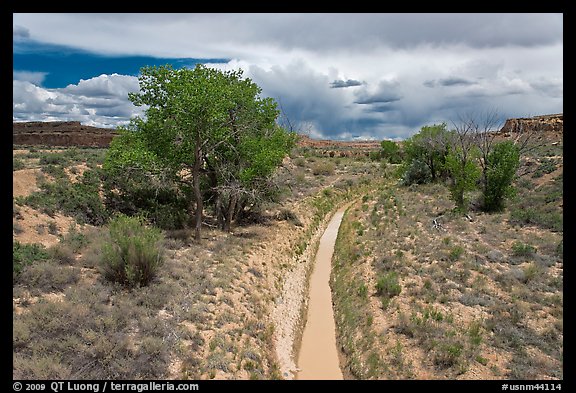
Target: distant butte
{"points": [[72, 133]]}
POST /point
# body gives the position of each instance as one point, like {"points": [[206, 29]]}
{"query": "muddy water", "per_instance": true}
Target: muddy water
{"points": [[318, 356]]}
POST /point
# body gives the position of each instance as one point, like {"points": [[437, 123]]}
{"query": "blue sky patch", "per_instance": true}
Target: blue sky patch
{"points": [[65, 65]]}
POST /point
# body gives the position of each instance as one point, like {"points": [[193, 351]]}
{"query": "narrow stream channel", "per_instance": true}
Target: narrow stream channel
{"points": [[318, 356]]}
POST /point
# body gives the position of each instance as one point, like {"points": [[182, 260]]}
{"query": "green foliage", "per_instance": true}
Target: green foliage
{"points": [[363, 290], [208, 138], [448, 353], [520, 249], [375, 155], [137, 184], [455, 253], [53, 159], [26, 254], [541, 206], [390, 152], [463, 173], [547, 165], [80, 200], [17, 164], [133, 254], [502, 163], [429, 147], [416, 172], [387, 286]]}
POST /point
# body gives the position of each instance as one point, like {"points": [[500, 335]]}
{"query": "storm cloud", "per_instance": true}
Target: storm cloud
{"points": [[334, 75], [337, 84]]}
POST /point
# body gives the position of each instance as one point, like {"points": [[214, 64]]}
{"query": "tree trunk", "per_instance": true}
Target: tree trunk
{"points": [[219, 211], [230, 212], [197, 191]]}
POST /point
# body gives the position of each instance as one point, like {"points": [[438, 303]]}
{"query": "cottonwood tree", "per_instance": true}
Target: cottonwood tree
{"points": [[206, 130], [390, 151], [431, 145], [425, 154], [461, 160], [501, 165], [498, 161]]}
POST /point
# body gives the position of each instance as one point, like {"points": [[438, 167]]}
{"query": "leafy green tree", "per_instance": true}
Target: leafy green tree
{"points": [[205, 132], [462, 159], [430, 147], [136, 182], [501, 163], [464, 173], [391, 152]]}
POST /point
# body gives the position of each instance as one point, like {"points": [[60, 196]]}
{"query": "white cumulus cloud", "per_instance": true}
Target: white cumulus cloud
{"points": [[101, 101]]}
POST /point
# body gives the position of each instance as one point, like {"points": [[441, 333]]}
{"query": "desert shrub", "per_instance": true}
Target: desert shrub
{"points": [[16, 211], [53, 228], [49, 276], [55, 171], [26, 254], [17, 228], [552, 220], [52, 159], [74, 239], [288, 215], [375, 156], [455, 253], [80, 200], [531, 272], [448, 353], [417, 172], [560, 249], [300, 161], [17, 164], [363, 290], [520, 249], [133, 254], [62, 253], [323, 168], [546, 166], [387, 286]]}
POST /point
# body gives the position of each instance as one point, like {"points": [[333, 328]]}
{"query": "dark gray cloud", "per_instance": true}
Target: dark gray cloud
{"points": [[434, 66], [20, 32], [550, 87], [226, 35], [339, 83], [386, 92], [380, 107], [450, 81]]}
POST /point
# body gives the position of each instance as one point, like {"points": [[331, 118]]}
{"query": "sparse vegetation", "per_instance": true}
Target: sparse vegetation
{"points": [[387, 286], [480, 296], [80, 200], [17, 164], [520, 249], [323, 168], [470, 263], [26, 254]]}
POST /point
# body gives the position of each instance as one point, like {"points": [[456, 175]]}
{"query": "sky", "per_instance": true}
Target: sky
{"points": [[334, 75]]}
